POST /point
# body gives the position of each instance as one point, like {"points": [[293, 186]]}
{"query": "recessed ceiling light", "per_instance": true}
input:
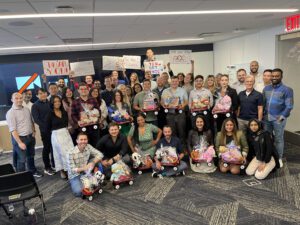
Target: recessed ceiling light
{"points": [[60, 15], [98, 44]]}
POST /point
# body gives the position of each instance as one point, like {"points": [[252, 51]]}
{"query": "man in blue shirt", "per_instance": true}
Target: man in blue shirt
{"points": [[172, 141], [278, 103]]}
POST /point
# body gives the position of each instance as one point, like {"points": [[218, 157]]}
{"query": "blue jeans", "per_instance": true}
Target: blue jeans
{"points": [[277, 129], [76, 186], [169, 171], [21, 156]]}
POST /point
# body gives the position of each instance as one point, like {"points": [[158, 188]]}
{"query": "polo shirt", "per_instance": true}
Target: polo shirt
{"points": [[248, 104], [174, 142]]}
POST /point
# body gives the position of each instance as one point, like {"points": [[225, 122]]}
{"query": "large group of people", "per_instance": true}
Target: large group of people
{"points": [[84, 124]]}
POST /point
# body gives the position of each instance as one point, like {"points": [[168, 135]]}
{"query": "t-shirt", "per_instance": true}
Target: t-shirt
{"points": [[150, 98]]}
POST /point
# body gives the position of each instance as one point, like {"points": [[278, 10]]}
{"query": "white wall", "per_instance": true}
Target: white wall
{"points": [[204, 63], [260, 46]]}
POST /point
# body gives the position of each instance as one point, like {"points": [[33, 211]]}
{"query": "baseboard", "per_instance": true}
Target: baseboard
{"points": [[292, 137]]}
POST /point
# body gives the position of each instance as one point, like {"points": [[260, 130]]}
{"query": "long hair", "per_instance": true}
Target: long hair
{"points": [[137, 84], [214, 86], [61, 108], [114, 96], [223, 132], [98, 99], [136, 127], [204, 123], [64, 95]]}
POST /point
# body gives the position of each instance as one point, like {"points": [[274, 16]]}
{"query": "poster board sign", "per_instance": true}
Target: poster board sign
{"points": [[156, 67], [112, 63], [132, 62], [56, 67], [82, 68], [180, 56]]}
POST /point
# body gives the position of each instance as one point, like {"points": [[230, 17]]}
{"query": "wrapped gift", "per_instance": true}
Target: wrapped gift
{"points": [[223, 105], [168, 156], [200, 104], [120, 172], [202, 152], [150, 102], [171, 102], [119, 116], [231, 153], [140, 160]]}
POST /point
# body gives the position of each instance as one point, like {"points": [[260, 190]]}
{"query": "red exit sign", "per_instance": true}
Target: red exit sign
{"points": [[292, 23]]}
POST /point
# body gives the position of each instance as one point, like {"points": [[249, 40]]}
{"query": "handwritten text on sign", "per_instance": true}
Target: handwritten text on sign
{"points": [[132, 62], [156, 67], [83, 68], [180, 56], [112, 63], [56, 67]]}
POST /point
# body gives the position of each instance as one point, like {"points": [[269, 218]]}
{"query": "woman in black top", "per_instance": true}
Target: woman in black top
{"points": [[200, 134], [264, 155], [60, 138]]}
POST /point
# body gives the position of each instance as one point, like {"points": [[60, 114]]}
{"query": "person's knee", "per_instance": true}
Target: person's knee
{"points": [[250, 172], [235, 171], [260, 176]]}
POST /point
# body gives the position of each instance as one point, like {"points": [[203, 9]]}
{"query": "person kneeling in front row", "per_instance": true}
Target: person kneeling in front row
{"points": [[261, 145], [169, 141], [81, 159]]}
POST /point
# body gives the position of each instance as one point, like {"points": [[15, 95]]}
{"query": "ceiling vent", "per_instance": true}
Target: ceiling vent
{"points": [[208, 34], [77, 40], [64, 9]]}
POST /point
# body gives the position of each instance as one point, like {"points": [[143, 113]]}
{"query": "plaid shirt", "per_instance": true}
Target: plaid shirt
{"points": [[77, 108], [78, 159], [278, 101]]}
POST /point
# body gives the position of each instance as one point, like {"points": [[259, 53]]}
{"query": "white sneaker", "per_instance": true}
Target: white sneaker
{"points": [[280, 163]]}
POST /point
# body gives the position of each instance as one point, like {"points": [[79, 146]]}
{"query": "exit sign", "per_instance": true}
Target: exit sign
{"points": [[292, 23]]}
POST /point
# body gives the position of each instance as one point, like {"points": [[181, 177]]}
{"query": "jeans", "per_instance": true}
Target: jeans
{"points": [[277, 129], [169, 171], [76, 186], [47, 150], [21, 156]]}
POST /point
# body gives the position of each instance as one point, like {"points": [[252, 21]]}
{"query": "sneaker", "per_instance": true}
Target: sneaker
{"points": [[37, 174], [63, 174], [49, 172], [154, 175], [280, 163]]}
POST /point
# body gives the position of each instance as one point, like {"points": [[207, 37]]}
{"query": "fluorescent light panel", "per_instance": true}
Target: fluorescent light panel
{"points": [[99, 44], [65, 15]]}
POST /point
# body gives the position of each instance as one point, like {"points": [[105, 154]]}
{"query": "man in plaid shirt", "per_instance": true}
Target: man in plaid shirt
{"points": [[278, 103], [86, 114], [82, 159]]}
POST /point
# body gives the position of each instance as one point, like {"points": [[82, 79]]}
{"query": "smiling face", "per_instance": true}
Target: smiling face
{"points": [[241, 75], [56, 103], [83, 91], [140, 121], [229, 126], [53, 89], [114, 131], [88, 80], [118, 97], [199, 123], [267, 77], [276, 77], [95, 93], [198, 83], [69, 93], [174, 82], [254, 67], [137, 88], [27, 96], [82, 141], [61, 83], [17, 99]]}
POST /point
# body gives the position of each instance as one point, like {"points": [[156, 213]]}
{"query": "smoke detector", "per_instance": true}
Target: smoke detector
{"points": [[64, 9]]}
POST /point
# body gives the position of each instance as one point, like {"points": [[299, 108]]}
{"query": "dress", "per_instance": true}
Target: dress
{"points": [[145, 140]]}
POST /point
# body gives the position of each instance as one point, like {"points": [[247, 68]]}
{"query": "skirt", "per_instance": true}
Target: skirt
{"points": [[61, 144]]}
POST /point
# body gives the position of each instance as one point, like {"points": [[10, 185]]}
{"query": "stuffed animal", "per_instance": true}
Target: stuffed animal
{"points": [[200, 103], [119, 170], [167, 155], [223, 105]]}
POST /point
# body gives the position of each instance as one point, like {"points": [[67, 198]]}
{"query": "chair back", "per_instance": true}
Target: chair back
{"points": [[17, 187]]}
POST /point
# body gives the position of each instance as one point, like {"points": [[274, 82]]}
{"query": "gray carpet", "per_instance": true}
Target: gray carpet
{"points": [[194, 199]]}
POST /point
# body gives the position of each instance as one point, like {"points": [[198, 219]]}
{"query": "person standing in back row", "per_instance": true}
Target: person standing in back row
{"points": [[278, 103]]}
